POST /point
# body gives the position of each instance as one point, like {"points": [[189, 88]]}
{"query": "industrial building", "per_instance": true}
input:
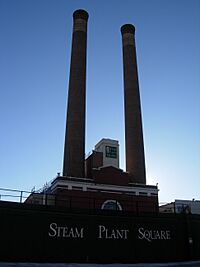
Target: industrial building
{"points": [[95, 212], [181, 206], [97, 181]]}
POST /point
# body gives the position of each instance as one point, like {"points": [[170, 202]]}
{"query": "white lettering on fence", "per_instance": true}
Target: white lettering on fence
{"points": [[151, 235], [107, 233], [65, 231]]}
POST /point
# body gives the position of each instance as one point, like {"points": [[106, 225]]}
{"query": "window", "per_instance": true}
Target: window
{"points": [[143, 193], [183, 208], [77, 188], [111, 205], [111, 152]]}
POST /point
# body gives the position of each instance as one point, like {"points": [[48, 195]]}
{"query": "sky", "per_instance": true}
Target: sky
{"points": [[35, 47]]}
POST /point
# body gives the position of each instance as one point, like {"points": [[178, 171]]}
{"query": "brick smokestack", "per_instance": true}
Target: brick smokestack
{"points": [[74, 150], [135, 162]]}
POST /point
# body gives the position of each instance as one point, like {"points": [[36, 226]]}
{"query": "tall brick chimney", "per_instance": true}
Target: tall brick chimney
{"points": [[135, 162], [74, 150]]}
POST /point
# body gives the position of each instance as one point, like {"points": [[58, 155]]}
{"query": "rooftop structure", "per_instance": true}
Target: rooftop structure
{"points": [[181, 206]]}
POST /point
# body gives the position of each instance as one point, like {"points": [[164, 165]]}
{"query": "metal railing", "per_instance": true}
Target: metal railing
{"points": [[13, 195], [76, 202]]}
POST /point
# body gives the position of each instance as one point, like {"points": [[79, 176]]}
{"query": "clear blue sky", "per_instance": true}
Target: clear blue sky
{"points": [[35, 47]]}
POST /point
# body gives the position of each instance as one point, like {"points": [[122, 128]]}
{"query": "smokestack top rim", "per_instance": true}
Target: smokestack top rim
{"points": [[128, 28], [80, 14]]}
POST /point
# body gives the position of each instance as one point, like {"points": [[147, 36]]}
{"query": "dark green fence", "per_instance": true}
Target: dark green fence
{"points": [[31, 233]]}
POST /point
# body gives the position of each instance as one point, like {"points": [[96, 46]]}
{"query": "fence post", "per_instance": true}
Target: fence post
{"points": [[45, 199], [70, 202], [137, 211], [21, 196], [189, 238], [94, 204]]}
